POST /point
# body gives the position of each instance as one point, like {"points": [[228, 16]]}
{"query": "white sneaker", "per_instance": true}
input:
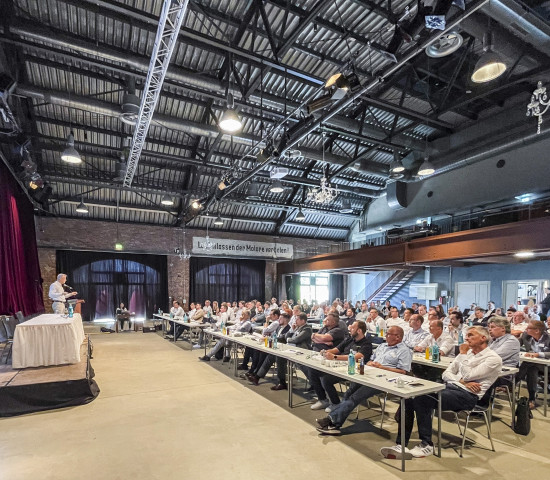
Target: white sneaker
{"points": [[320, 405], [422, 450], [196, 346], [168, 336], [395, 453], [330, 408]]}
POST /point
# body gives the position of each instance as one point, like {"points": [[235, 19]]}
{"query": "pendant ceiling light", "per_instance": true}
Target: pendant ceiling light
{"points": [[82, 208], [426, 168], [70, 154], [489, 66], [167, 200], [346, 206], [300, 215], [218, 221], [230, 121], [276, 187]]}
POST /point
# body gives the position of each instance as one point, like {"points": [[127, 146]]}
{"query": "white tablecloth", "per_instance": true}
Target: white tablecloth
{"points": [[48, 339]]}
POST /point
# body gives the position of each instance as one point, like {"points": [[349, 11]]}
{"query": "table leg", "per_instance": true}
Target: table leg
{"points": [[513, 395], [439, 424], [545, 389], [235, 349], [402, 407], [290, 382]]}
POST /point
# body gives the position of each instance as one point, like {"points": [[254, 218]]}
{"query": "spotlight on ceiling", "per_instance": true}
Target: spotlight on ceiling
{"points": [[167, 200], [426, 168], [82, 208], [396, 166], [70, 155], [300, 215], [230, 121], [489, 66], [218, 221], [524, 254], [345, 207], [276, 187], [196, 204], [340, 85]]}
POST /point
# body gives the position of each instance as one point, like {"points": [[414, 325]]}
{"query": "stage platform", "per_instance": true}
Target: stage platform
{"points": [[38, 389]]}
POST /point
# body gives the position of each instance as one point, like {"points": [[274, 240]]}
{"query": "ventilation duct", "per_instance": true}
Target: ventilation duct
{"points": [[130, 104]]}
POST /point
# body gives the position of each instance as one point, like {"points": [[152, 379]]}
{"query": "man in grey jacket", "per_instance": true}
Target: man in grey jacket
{"points": [[299, 336]]}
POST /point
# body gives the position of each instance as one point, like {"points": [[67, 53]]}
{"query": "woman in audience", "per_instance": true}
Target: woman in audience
{"points": [[215, 308]]}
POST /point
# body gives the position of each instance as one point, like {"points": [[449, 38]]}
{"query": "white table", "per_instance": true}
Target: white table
{"points": [[544, 362], [48, 339], [382, 380], [165, 317]]}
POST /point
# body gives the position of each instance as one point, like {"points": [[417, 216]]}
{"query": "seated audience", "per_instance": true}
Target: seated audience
{"points": [[519, 324], [393, 356], [437, 336], [467, 380], [537, 344], [416, 334], [243, 326], [503, 343]]}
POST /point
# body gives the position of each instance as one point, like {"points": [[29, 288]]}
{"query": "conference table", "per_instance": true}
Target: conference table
{"points": [[191, 326], [49, 339], [382, 380]]}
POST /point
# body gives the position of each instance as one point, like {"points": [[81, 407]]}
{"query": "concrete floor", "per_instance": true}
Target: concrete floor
{"points": [[161, 414]]}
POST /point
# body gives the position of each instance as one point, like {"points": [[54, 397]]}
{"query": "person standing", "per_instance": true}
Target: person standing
{"points": [[58, 295]]}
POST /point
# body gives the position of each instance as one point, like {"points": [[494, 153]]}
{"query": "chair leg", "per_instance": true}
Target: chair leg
{"points": [[383, 407], [458, 422], [464, 435]]}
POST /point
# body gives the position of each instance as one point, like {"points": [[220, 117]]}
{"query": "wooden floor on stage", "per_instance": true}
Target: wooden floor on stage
{"points": [[33, 375]]}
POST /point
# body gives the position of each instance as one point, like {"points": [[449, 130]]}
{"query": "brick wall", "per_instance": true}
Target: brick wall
{"points": [[74, 234]]}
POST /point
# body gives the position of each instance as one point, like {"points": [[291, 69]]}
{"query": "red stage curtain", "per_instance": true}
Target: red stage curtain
{"points": [[20, 280]]}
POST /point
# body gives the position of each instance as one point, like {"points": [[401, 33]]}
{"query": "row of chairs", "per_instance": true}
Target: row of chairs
{"points": [[7, 330]]}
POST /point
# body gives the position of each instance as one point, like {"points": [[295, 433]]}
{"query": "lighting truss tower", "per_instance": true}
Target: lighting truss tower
{"points": [[171, 18]]}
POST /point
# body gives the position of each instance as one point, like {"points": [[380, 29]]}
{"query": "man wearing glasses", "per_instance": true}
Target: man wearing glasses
{"points": [[393, 356], [537, 344]]}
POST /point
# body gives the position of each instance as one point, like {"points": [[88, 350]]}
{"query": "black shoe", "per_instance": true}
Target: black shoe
{"points": [[279, 386], [206, 358], [326, 427], [254, 380], [242, 367], [226, 359], [324, 422]]}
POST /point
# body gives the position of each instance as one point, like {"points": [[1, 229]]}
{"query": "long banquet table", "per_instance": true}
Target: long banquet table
{"points": [[48, 339], [374, 377]]}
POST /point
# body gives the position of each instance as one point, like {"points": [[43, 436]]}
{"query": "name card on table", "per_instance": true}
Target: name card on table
{"points": [[242, 248]]}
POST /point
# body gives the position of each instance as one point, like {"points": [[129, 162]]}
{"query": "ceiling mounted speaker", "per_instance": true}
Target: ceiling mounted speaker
{"points": [[445, 45]]}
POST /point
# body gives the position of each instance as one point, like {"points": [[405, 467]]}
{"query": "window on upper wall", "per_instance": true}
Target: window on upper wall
{"points": [[314, 287]]}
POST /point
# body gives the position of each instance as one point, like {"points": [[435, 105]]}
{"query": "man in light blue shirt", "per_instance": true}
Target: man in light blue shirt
{"points": [[416, 334], [394, 356], [503, 342]]}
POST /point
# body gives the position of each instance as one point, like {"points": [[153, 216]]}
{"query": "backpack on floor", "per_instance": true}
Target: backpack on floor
{"points": [[523, 417]]}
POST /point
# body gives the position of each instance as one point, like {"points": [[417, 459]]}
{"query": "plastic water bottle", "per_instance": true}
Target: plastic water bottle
{"points": [[274, 341], [321, 321], [435, 353], [71, 311], [470, 322], [222, 326], [460, 338], [377, 330], [351, 363]]}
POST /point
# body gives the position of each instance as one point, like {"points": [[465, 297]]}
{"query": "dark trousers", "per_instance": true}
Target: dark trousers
{"points": [[266, 365], [282, 366], [323, 384], [246, 356], [257, 360], [530, 372], [453, 398]]}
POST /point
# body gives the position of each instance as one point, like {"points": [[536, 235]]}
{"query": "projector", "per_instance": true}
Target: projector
{"points": [[278, 172]]}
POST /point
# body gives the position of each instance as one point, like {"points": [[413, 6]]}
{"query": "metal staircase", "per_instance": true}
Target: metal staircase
{"points": [[391, 285]]}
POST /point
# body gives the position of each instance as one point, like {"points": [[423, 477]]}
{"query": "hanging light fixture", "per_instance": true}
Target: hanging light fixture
{"points": [[489, 66], [396, 166], [218, 221], [325, 193], [167, 200], [276, 187], [346, 206], [230, 121], [196, 204], [82, 208], [426, 168], [70, 154], [300, 215]]}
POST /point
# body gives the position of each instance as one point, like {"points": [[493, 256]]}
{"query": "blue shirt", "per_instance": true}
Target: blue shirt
{"points": [[399, 356]]}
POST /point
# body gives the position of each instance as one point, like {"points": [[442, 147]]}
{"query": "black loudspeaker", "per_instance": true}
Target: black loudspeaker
{"points": [[396, 195]]}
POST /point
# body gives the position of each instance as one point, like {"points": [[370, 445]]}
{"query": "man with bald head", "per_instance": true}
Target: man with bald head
{"points": [[393, 356]]}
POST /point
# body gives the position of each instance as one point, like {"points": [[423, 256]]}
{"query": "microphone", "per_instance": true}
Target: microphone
{"points": [[69, 287]]}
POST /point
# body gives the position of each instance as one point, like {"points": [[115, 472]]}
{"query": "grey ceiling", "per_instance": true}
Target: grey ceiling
{"points": [[72, 60]]}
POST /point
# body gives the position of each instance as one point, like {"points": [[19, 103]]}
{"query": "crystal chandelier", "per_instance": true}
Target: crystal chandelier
{"points": [[539, 99], [325, 193]]}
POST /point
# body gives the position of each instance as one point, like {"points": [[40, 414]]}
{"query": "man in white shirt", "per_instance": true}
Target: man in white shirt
{"points": [[467, 380], [519, 324], [207, 308], [374, 320], [455, 326], [395, 321], [177, 313], [242, 326], [363, 314], [58, 295], [443, 340]]}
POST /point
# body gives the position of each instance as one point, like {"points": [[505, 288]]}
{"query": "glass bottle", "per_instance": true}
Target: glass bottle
{"points": [[351, 363]]}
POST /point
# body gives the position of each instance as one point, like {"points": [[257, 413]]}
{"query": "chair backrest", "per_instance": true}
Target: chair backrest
{"points": [[6, 328], [3, 333], [20, 317]]}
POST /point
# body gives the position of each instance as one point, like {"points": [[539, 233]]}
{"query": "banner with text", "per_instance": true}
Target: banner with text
{"points": [[242, 248]]}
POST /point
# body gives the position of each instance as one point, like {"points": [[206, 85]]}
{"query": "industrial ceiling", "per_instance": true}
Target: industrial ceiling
{"points": [[74, 65]]}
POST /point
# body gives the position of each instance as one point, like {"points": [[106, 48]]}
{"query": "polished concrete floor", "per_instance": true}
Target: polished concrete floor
{"points": [[162, 414]]}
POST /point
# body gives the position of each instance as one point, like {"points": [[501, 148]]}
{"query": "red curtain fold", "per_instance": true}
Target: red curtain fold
{"points": [[20, 280]]}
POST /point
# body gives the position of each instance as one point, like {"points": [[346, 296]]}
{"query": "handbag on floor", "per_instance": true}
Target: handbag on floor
{"points": [[523, 415]]}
